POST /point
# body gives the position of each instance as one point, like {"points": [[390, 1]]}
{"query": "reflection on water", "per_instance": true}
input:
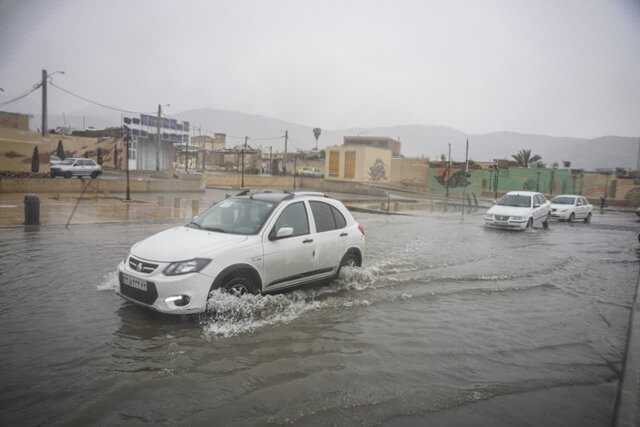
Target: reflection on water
{"points": [[443, 313]]}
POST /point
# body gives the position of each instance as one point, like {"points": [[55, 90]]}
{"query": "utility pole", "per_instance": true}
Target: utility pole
{"points": [[186, 157], [44, 102], [466, 170], [270, 159], [295, 170], [128, 138], [243, 150], [158, 137], [448, 174], [284, 160]]}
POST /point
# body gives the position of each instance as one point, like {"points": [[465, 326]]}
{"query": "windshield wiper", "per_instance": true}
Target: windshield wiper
{"points": [[219, 230], [194, 223]]}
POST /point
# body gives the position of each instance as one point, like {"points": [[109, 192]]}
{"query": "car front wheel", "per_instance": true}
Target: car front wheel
{"points": [[530, 224], [94, 175], [571, 217], [68, 174], [239, 286]]}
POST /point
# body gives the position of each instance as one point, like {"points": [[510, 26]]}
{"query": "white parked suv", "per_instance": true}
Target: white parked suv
{"points": [[519, 210], [76, 167], [254, 242], [570, 207]]}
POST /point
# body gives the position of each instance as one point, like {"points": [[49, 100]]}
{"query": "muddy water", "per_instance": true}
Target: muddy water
{"points": [[448, 323]]}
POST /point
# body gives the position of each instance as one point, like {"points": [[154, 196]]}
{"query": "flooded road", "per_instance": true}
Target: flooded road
{"points": [[447, 323]]}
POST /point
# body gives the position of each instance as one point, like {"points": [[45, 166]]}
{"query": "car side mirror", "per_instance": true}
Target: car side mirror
{"points": [[578, 204], [284, 232], [536, 205]]}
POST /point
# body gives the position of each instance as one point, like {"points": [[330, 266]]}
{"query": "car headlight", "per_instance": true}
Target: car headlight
{"points": [[185, 267], [517, 218], [488, 216]]}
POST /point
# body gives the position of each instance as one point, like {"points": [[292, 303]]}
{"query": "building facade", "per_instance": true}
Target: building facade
{"points": [[144, 141]]}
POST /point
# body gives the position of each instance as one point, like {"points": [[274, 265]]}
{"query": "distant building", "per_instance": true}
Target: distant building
{"points": [[362, 159], [14, 120], [144, 144]]}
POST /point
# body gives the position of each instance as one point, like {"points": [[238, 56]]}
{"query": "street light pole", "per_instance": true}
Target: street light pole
{"points": [[128, 138], [158, 137], [44, 102]]}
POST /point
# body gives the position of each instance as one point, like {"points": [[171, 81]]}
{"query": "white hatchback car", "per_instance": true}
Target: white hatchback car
{"points": [[254, 242], [570, 207], [519, 210]]}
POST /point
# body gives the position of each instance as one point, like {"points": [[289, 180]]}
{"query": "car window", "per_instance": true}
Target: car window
{"points": [[322, 216], [236, 216], [294, 216], [337, 215], [515, 200], [584, 201], [68, 161], [563, 200]]}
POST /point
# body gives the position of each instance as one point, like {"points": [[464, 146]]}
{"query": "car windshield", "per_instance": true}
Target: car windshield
{"points": [[515, 200], [561, 200], [68, 161], [235, 216]]}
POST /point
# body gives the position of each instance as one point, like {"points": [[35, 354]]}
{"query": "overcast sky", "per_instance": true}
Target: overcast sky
{"points": [[557, 67]]}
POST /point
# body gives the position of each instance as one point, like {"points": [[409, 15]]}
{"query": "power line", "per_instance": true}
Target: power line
{"points": [[24, 95], [122, 110]]}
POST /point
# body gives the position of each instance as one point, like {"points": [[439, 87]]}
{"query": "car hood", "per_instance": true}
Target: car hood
{"points": [[560, 206], [508, 210], [183, 243]]}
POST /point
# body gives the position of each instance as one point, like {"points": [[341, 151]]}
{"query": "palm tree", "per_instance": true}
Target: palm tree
{"points": [[524, 158], [316, 134]]}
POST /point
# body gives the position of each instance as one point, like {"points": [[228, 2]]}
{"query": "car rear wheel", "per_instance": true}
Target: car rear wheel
{"points": [[571, 217], [239, 286], [588, 218]]}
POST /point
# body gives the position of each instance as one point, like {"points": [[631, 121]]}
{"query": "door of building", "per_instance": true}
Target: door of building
{"points": [[349, 164]]}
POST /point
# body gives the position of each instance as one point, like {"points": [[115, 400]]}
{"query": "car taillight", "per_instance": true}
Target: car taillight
{"points": [[361, 228]]}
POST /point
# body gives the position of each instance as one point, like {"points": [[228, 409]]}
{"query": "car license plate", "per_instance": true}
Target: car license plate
{"points": [[502, 223], [134, 283]]}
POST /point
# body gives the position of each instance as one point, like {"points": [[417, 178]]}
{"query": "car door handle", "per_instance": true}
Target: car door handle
{"points": [[307, 241], [344, 234]]}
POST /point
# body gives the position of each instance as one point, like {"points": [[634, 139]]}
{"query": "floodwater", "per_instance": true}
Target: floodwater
{"points": [[448, 323]]}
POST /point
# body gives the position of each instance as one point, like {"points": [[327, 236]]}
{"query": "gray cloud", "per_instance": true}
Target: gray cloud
{"points": [[560, 68]]}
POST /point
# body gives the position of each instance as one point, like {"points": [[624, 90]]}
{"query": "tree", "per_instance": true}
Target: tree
{"points": [[524, 158], [316, 134], [99, 156], [443, 157], [60, 150], [115, 157], [566, 163], [35, 161], [86, 154]]}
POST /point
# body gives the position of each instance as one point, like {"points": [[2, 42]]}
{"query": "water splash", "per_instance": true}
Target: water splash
{"points": [[109, 282]]}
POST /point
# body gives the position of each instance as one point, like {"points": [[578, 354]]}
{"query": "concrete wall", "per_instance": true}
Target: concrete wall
{"points": [[14, 120], [409, 171], [75, 185], [251, 181]]}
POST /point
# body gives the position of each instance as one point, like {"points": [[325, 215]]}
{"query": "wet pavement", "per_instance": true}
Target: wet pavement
{"points": [[448, 323]]}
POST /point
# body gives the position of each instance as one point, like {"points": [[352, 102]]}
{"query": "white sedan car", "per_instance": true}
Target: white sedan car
{"points": [[519, 210], [255, 242], [571, 207], [76, 167]]}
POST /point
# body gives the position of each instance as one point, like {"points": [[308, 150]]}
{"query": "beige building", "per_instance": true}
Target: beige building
{"points": [[409, 171], [14, 120], [359, 163]]}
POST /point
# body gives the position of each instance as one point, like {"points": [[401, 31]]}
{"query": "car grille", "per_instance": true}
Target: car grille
{"points": [[147, 297], [502, 217], [141, 266]]}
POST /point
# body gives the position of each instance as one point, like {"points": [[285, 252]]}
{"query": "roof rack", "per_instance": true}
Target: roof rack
{"points": [[309, 193]]}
